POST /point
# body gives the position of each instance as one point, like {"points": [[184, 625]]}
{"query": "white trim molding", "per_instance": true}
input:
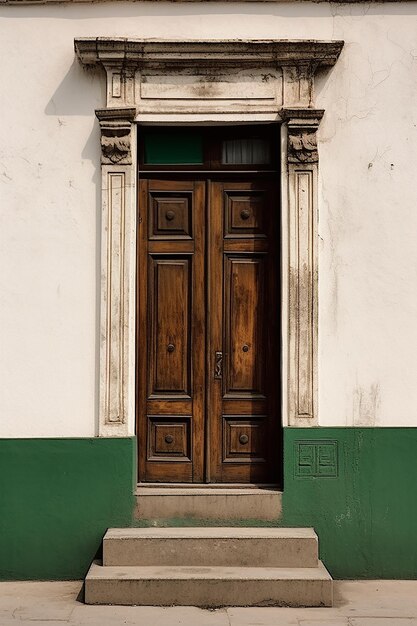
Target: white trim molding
{"points": [[194, 82]]}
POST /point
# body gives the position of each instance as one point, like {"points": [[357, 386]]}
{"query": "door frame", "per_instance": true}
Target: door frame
{"points": [[235, 81]]}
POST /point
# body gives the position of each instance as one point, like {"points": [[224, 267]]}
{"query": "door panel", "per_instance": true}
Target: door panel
{"points": [[208, 331], [171, 330], [170, 326], [244, 298], [243, 403]]}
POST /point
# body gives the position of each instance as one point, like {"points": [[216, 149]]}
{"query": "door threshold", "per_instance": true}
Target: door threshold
{"points": [[268, 486], [225, 503]]}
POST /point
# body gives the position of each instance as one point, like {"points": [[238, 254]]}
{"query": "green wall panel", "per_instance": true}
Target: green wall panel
{"points": [[57, 498], [366, 515]]}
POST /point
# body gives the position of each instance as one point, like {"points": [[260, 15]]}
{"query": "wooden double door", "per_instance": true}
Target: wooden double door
{"points": [[208, 336]]}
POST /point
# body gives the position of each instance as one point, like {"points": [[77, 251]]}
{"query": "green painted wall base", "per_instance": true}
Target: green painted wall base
{"points": [[57, 498], [366, 515]]}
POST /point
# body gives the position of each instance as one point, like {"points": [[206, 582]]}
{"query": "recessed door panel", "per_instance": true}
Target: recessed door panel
{"points": [[170, 215], [245, 439], [244, 299], [170, 326], [245, 214]]}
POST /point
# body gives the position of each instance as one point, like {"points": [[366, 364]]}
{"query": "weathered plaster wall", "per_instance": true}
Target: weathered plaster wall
{"points": [[49, 177]]}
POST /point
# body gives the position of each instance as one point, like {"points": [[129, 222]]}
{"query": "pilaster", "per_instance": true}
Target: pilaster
{"points": [[302, 163], [117, 328]]}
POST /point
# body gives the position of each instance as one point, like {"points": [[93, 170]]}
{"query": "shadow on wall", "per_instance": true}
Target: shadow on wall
{"points": [[80, 92], [78, 95]]}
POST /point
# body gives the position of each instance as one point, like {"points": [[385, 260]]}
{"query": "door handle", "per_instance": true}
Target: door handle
{"points": [[218, 365]]}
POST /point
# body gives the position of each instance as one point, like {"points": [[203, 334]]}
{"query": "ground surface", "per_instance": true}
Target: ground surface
{"points": [[365, 603]]}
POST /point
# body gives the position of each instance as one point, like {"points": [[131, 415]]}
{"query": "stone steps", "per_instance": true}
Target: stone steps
{"points": [[210, 567], [223, 547], [208, 586]]}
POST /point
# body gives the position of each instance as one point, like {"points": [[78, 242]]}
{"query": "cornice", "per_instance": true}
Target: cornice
{"points": [[107, 51]]}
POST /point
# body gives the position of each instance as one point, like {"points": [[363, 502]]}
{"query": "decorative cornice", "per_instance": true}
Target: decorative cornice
{"points": [[116, 124], [107, 51]]}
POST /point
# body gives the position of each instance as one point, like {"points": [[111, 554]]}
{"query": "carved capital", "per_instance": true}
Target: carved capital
{"points": [[116, 126], [302, 134]]}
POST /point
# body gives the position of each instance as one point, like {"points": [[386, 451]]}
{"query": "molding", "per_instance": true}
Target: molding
{"points": [[147, 52], [174, 81]]}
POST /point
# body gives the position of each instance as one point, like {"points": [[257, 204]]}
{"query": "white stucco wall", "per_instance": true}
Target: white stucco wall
{"points": [[49, 203]]}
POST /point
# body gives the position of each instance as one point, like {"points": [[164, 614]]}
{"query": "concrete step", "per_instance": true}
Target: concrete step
{"points": [[208, 586], [158, 503], [234, 547]]}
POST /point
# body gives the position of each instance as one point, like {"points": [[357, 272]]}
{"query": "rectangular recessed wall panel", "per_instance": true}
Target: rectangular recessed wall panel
{"points": [[316, 459], [212, 86]]}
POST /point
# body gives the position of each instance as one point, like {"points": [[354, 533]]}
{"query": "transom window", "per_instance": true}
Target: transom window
{"points": [[209, 147]]}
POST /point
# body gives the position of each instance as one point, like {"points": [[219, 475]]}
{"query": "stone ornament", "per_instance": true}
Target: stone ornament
{"points": [[115, 127], [302, 147], [302, 134]]}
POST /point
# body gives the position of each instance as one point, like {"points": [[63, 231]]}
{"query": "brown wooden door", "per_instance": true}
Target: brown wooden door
{"points": [[208, 331]]}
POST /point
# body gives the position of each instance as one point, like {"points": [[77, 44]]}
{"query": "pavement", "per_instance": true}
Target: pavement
{"points": [[357, 603]]}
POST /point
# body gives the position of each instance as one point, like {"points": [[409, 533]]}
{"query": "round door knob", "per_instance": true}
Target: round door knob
{"points": [[245, 214], [169, 438], [170, 347], [170, 215], [243, 439], [245, 348]]}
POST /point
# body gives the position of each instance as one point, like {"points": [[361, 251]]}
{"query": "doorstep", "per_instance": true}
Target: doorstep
{"points": [[164, 502]]}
